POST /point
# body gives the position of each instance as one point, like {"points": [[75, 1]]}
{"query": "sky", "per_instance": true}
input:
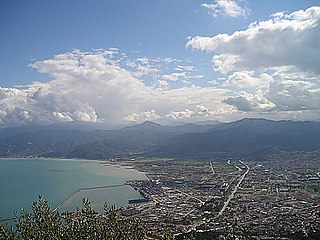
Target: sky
{"points": [[120, 62]]}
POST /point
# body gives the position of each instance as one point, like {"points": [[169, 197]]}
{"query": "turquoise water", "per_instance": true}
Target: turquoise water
{"points": [[113, 196], [23, 180]]}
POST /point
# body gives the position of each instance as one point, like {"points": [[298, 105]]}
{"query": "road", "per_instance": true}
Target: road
{"points": [[213, 172], [226, 203]]}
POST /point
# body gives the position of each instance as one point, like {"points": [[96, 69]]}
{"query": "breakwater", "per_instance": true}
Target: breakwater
{"points": [[84, 189]]}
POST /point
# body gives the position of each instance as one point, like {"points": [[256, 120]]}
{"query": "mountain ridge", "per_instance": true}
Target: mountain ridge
{"points": [[244, 137]]}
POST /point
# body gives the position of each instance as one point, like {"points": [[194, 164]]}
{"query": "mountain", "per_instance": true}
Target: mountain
{"points": [[43, 142], [80, 141], [247, 137], [133, 140], [244, 137]]}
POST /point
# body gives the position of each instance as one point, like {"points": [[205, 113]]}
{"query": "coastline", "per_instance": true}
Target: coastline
{"points": [[49, 158], [100, 169], [105, 163]]}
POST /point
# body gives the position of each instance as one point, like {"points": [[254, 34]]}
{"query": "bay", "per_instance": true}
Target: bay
{"points": [[23, 180]]}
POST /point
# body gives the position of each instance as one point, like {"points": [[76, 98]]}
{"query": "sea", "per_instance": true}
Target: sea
{"points": [[57, 180]]}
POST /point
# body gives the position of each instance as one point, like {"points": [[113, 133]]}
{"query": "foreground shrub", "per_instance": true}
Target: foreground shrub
{"points": [[84, 223]]}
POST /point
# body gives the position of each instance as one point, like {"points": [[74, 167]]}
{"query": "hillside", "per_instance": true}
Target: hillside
{"points": [[245, 137], [55, 141], [241, 138]]}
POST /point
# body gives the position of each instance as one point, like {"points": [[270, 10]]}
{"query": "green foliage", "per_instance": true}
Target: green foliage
{"points": [[42, 224], [6, 233], [84, 223]]}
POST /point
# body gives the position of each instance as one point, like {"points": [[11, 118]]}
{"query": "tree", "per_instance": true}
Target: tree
{"points": [[84, 223]]}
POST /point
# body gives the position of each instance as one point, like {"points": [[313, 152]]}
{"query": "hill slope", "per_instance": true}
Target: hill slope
{"points": [[244, 137], [241, 138]]}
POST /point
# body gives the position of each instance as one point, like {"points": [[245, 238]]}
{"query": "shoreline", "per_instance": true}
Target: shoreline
{"points": [[50, 159], [105, 163], [104, 169]]}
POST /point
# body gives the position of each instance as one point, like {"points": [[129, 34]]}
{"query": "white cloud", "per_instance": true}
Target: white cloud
{"points": [[104, 86], [213, 82], [283, 40], [246, 80], [174, 76], [39, 105], [294, 96], [62, 117], [282, 96], [203, 111], [251, 102], [200, 111], [230, 8], [145, 70], [292, 73], [185, 68], [141, 66], [180, 114], [143, 60], [162, 84], [180, 76], [143, 116], [275, 64], [167, 60], [92, 87]]}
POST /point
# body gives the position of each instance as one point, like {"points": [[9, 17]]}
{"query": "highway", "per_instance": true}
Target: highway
{"points": [[213, 172], [226, 203]]}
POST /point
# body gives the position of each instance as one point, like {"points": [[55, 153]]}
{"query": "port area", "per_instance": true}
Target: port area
{"points": [[275, 198]]}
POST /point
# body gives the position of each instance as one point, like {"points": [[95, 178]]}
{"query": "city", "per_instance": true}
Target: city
{"points": [[278, 197]]}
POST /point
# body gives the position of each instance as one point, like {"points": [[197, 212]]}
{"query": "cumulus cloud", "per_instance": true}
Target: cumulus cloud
{"points": [[282, 96], [174, 76], [200, 111], [41, 106], [294, 96], [272, 66], [180, 76], [283, 40], [230, 8], [162, 84], [251, 102], [180, 114], [97, 87], [143, 116], [203, 111], [292, 73], [143, 60], [247, 80], [145, 70]]}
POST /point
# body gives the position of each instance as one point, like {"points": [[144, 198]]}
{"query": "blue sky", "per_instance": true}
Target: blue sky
{"points": [[175, 75]]}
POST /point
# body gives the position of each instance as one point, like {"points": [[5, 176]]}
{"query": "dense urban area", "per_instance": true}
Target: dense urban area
{"points": [[230, 198]]}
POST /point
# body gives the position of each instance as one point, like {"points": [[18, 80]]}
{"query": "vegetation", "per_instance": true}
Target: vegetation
{"points": [[253, 138], [314, 188], [84, 223]]}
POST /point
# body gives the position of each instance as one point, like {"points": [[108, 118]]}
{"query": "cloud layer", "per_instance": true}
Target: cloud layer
{"points": [[96, 87], [285, 40], [270, 70], [272, 66]]}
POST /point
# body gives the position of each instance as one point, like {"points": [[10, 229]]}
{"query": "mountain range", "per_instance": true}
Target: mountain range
{"points": [[243, 138]]}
